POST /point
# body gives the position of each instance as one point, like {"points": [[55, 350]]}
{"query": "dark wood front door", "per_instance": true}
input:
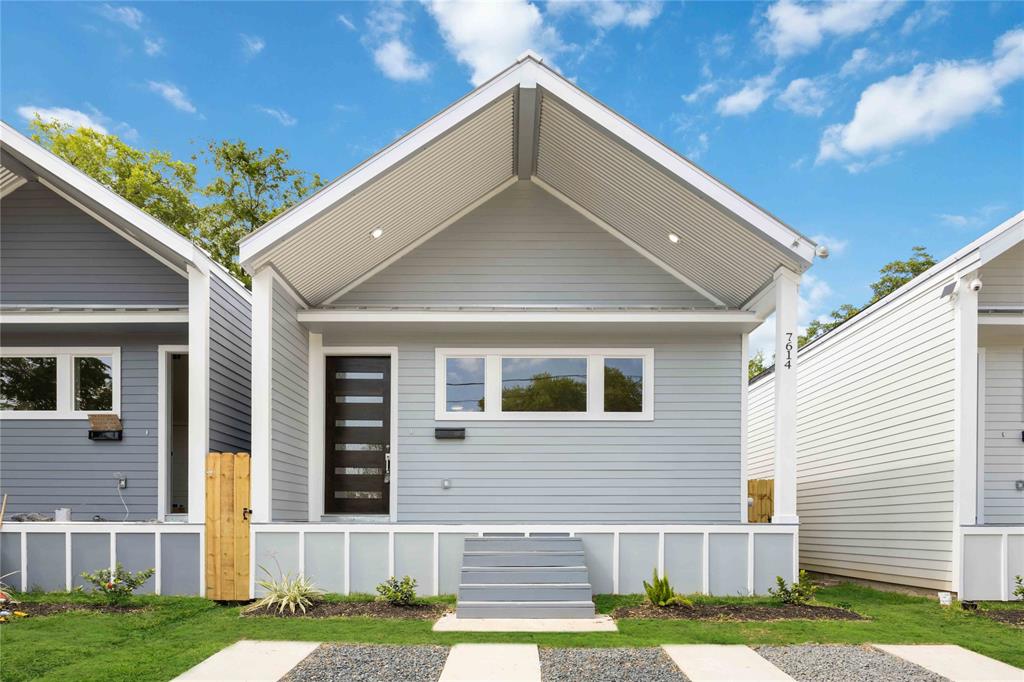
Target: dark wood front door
{"points": [[358, 435]]}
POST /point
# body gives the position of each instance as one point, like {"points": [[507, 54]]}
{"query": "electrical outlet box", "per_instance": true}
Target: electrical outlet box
{"points": [[122, 480]]}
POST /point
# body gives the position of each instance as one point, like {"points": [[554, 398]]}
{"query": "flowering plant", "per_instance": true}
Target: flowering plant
{"points": [[119, 584]]}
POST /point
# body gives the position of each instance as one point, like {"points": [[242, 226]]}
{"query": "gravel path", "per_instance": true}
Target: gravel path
{"points": [[365, 663], [608, 665], [838, 663]]}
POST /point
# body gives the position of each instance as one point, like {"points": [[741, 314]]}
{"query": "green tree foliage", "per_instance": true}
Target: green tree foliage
{"points": [[757, 365], [153, 181], [546, 393], [28, 383], [622, 393], [251, 187]]}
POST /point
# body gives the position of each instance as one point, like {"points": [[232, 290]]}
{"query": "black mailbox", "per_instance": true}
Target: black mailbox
{"points": [[450, 434]]}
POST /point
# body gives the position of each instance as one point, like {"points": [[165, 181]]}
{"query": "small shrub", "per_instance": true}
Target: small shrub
{"points": [[799, 593], [845, 605], [660, 592], [1018, 591], [398, 592], [119, 586], [284, 592]]}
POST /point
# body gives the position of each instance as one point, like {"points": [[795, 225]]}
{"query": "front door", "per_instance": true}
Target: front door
{"points": [[358, 437]]}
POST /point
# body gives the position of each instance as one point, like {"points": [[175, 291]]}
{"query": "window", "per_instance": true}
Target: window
{"points": [[544, 384], [58, 383]]}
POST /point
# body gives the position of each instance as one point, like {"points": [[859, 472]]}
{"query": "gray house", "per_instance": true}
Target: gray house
{"points": [[524, 318], [124, 358]]}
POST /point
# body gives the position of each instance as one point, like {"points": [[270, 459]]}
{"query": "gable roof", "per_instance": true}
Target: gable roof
{"points": [[528, 122]]}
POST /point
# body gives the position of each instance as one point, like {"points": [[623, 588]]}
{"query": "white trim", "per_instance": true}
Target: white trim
{"points": [[9, 188], [276, 276], [417, 242], [262, 368], [319, 406], [94, 317], [164, 430], [744, 418], [364, 316], [492, 383], [67, 561], [750, 563], [1001, 319], [158, 562], [616, 556], [65, 387], [317, 455], [787, 303], [980, 475], [627, 241], [198, 391]]}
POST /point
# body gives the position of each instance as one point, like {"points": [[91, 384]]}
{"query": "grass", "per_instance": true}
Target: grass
{"points": [[175, 633]]}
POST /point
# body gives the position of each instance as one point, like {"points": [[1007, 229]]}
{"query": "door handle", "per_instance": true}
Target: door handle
{"points": [[246, 513], [387, 465]]}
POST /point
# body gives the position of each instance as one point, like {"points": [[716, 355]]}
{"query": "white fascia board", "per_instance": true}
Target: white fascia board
{"points": [[153, 228], [257, 242], [1002, 239], [94, 317], [525, 316]]}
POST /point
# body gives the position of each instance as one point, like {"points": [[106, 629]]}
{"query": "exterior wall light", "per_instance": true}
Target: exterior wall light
{"points": [[377, 233], [673, 237]]}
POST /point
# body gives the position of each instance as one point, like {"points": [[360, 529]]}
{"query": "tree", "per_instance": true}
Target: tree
{"points": [[622, 393], [152, 180], [757, 365], [546, 393], [250, 188]]}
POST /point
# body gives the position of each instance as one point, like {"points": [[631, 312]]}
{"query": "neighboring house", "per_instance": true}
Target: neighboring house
{"points": [[911, 429], [106, 311], [525, 316]]}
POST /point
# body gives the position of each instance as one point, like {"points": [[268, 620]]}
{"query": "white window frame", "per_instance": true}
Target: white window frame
{"points": [[492, 383], [66, 381]]}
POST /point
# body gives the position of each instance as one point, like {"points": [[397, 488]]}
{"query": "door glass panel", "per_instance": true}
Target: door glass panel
{"points": [[544, 384], [359, 447], [359, 399], [359, 422], [623, 385], [359, 375], [464, 385], [28, 384]]}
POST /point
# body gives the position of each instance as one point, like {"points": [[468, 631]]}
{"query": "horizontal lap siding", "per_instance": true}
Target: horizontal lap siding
{"points": [[524, 247], [761, 429], [1003, 455], [230, 368], [875, 442], [53, 253], [45, 464], [289, 347], [1003, 279]]}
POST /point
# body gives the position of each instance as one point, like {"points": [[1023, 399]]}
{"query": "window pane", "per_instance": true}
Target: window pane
{"points": [[544, 384], [28, 384], [94, 384], [623, 385], [464, 385]]}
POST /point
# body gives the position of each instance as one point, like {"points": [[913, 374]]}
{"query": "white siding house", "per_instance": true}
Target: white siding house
{"points": [[910, 421]]}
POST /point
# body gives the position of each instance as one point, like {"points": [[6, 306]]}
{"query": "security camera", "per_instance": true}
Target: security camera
{"points": [[821, 251], [975, 285]]}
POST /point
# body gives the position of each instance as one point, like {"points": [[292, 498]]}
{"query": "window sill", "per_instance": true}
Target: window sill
{"points": [[52, 416]]}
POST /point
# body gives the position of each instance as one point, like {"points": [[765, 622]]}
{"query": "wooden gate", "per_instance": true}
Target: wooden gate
{"points": [[762, 491], [227, 526]]}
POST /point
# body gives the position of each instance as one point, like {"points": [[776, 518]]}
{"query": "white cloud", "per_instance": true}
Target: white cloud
{"points": [[814, 294], [488, 36], [399, 63], [72, 117], [611, 13], [924, 103], [702, 144], [702, 90], [805, 96], [929, 14], [835, 245], [722, 44], [174, 95], [747, 99], [282, 116], [251, 45], [794, 28], [863, 60], [346, 22], [856, 63], [153, 46], [982, 218], [129, 16]]}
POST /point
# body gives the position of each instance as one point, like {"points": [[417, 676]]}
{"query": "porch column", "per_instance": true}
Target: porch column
{"points": [[198, 389], [965, 401], [787, 300], [262, 317]]}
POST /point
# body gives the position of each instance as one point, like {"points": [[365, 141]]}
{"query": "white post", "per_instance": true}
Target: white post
{"points": [[965, 420], [317, 454], [744, 418], [262, 318], [787, 300], [198, 390]]}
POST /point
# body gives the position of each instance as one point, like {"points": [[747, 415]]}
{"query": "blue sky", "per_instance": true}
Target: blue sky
{"points": [[874, 126]]}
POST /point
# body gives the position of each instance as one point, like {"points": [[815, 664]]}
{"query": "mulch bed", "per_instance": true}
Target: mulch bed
{"points": [[370, 609], [54, 608], [737, 612], [1008, 616]]}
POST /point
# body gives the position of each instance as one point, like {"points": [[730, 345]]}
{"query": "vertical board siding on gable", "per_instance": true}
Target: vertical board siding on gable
{"points": [[51, 252], [47, 464], [875, 445], [230, 368], [1003, 453], [1003, 279], [289, 347], [524, 247], [682, 467]]}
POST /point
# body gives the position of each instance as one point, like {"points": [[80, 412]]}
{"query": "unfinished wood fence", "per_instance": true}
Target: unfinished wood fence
{"points": [[762, 491], [227, 526]]}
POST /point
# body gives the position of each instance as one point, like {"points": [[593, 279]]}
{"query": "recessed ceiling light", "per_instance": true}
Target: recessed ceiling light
{"points": [[673, 237], [377, 233]]}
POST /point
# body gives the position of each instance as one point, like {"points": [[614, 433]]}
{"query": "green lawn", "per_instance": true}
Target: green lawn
{"points": [[176, 633]]}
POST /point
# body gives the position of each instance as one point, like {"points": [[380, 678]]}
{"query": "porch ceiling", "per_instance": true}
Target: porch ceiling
{"points": [[529, 122]]}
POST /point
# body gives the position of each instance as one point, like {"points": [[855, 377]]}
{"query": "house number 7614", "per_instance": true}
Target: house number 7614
{"points": [[789, 350]]}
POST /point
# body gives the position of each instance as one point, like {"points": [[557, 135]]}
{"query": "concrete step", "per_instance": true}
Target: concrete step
{"points": [[525, 609], [523, 544], [535, 559], [526, 592], [505, 575]]}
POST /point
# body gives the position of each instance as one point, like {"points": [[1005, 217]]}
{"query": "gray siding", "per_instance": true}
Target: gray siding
{"points": [[53, 253], [682, 467], [289, 386], [1002, 424], [524, 247], [45, 464], [230, 367], [1003, 278]]}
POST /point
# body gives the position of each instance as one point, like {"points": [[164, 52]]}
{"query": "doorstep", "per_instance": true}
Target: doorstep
{"points": [[451, 623]]}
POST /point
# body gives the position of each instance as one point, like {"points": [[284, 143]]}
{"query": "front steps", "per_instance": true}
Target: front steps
{"points": [[521, 577]]}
